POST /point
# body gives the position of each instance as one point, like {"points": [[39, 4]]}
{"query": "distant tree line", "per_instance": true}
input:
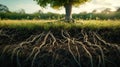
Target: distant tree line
{"points": [[37, 16], [104, 15]]}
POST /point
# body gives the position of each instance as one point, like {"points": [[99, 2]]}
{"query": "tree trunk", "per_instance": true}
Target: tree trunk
{"points": [[68, 10]]}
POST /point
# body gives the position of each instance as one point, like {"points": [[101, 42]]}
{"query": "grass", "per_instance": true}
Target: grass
{"points": [[48, 24]]}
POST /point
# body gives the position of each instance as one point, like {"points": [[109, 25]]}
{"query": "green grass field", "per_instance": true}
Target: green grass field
{"points": [[47, 24]]}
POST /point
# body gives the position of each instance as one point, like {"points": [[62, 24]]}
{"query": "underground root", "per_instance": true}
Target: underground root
{"points": [[86, 49]]}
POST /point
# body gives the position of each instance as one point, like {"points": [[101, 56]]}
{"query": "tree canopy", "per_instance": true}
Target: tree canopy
{"points": [[59, 3], [3, 8]]}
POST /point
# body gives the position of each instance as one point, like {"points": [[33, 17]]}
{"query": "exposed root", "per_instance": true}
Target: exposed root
{"points": [[14, 52], [4, 50], [3, 34], [35, 56], [118, 48], [99, 61], [85, 43], [32, 53], [100, 39], [43, 43], [78, 57], [17, 58], [90, 56], [101, 51], [54, 39], [69, 48], [32, 42]]}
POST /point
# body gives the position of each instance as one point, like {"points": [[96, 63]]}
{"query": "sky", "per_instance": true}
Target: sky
{"points": [[31, 6]]}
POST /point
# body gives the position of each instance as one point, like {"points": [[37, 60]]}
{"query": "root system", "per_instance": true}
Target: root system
{"points": [[62, 49]]}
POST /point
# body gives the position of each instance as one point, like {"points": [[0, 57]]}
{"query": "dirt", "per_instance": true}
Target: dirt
{"points": [[59, 48]]}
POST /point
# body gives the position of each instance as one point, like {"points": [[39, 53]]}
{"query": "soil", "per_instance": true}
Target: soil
{"points": [[59, 48]]}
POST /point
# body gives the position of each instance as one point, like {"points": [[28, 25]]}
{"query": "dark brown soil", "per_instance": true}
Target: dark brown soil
{"points": [[59, 48]]}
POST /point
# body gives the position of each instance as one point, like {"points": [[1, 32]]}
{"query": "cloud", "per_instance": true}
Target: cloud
{"points": [[106, 3], [98, 5]]}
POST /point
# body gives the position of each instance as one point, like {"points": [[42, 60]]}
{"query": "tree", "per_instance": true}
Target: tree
{"points": [[58, 3], [94, 11], [21, 11], [118, 10], [38, 12], [106, 11], [3, 8]]}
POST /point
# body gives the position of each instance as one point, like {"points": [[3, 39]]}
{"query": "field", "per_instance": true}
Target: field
{"points": [[52, 43], [47, 24]]}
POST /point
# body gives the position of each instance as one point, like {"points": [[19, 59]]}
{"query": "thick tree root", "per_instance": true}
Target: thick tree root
{"points": [[87, 49]]}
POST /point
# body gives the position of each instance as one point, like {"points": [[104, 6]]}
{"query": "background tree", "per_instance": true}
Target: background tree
{"points": [[3, 8], [94, 11], [21, 11], [118, 10], [58, 3], [106, 11]]}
